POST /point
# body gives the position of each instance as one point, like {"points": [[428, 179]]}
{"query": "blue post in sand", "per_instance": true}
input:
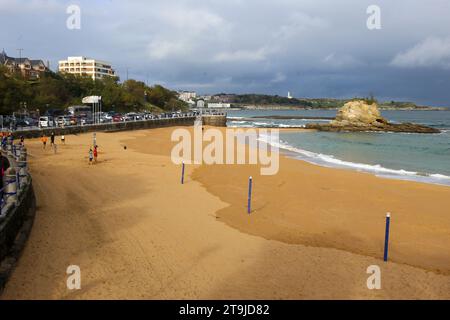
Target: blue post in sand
{"points": [[249, 203], [182, 174], [386, 237]]}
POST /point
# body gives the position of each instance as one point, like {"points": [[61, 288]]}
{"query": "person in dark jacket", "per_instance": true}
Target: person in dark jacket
{"points": [[4, 164]]}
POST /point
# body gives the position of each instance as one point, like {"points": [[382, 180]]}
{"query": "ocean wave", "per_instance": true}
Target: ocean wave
{"points": [[314, 120], [330, 161], [238, 122], [256, 124]]}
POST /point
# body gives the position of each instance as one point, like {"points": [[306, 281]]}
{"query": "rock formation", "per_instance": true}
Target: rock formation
{"points": [[358, 115]]}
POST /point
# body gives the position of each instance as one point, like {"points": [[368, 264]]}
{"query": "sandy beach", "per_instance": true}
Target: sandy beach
{"points": [[137, 233]]}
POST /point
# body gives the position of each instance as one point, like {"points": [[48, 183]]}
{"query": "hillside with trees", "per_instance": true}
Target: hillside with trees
{"points": [[58, 91], [268, 101]]}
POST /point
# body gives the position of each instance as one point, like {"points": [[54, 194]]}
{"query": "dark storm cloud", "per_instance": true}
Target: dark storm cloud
{"points": [[311, 48]]}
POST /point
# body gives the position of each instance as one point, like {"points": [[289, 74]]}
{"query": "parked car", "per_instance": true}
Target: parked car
{"points": [[107, 117], [132, 116], [117, 118], [24, 122], [63, 121], [46, 121]]}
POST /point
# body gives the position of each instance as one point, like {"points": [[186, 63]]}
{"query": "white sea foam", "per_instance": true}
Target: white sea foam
{"points": [[238, 122], [330, 161], [253, 124]]}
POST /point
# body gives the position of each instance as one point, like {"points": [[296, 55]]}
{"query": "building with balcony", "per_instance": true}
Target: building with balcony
{"points": [[30, 69], [96, 69]]}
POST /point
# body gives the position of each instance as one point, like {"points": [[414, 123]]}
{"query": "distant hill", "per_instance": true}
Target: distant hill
{"points": [[260, 99], [275, 101]]}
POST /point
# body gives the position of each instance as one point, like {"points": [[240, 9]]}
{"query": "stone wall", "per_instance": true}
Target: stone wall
{"points": [[16, 220], [215, 120]]}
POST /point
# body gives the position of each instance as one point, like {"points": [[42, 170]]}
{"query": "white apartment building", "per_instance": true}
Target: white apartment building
{"points": [[187, 95], [97, 69], [219, 105]]}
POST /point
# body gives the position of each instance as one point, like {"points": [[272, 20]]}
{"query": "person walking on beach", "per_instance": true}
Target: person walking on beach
{"points": [[63, 139], [95, 154], [44, 141], [22, 140], [91, 156], [52, 138]]}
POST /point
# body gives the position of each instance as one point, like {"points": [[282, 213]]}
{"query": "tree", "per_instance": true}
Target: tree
{"points": [[58, 91]]}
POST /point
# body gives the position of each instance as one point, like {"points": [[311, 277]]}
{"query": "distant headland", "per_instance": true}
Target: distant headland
{"points": [[262, 101]]}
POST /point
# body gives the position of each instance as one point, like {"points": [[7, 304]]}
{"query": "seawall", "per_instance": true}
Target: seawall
{"points": [[16, 216], [213, 120]]}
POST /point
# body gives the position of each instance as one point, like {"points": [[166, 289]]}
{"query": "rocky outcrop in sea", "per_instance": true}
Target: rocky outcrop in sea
{"points": [[358, 115]]}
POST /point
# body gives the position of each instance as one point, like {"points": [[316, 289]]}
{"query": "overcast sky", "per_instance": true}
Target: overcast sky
{"points": [[312, 48]]}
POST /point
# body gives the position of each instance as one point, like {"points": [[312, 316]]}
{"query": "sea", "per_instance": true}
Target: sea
{"points": [[407, 156]]}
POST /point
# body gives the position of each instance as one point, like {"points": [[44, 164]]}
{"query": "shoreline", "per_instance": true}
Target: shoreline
{"points": [[375, 170], [330, 161]]}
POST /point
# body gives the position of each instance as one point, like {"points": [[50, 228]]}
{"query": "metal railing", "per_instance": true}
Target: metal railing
{"points": [[124, 120], [15, 179]]}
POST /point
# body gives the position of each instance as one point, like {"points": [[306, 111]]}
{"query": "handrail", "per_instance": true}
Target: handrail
{"points": [[177, 116]]}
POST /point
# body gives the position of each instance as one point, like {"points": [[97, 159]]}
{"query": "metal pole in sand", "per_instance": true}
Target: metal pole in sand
{"points": [[249, 202], [182, 173], [386, 237]]}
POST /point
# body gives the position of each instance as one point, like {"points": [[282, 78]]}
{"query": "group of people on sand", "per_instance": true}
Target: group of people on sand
{"points": [[93, 152], [44, 140]]}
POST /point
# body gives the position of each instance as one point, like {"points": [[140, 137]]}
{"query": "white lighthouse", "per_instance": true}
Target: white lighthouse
{"points": [[289, 95]]}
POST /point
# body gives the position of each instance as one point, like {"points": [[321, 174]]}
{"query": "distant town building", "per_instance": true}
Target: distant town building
{"points": [[205, 98], [186, 96], [219, 105], [30, 69], [97, 69], [289, 96], [200, 104]]}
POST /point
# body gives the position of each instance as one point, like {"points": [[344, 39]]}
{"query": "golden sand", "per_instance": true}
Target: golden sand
{"points": [[136, 232]]}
